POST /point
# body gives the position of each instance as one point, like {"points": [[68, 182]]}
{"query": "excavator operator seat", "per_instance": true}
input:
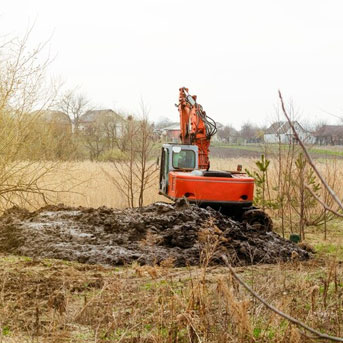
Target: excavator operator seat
{"points": [[176, 157], [184, 159]]}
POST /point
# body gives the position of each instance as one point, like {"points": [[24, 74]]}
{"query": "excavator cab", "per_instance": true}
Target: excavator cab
{"points": [[176, 157]]}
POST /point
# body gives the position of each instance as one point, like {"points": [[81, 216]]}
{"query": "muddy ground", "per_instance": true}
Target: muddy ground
{"points": [[176, 233]]}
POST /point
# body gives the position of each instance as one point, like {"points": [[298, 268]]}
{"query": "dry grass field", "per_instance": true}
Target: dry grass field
{"points": [[57, 301], [89, 186]]}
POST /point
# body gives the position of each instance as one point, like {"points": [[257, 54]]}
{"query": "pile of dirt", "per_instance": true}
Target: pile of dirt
{"points": [[152, 234]]}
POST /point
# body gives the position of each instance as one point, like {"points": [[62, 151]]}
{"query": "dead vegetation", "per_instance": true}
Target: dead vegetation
{"points": [[30, 148], [56, 301]]}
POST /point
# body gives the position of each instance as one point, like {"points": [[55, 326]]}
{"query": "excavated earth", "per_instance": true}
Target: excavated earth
{"points": [[177, 233]]}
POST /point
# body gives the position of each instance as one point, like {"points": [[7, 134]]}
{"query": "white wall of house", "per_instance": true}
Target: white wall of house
{"points": [[274, 138], [286, 138], [307, 138]]}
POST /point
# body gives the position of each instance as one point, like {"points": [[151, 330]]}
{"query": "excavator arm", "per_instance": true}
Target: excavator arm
{"points": [[196, 127]]}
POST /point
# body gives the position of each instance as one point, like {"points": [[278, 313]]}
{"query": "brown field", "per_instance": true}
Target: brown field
{"points": [[57, 301], [91, 187]]}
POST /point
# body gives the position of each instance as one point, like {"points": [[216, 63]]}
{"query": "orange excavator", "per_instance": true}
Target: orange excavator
{"points": [[185, 169]]}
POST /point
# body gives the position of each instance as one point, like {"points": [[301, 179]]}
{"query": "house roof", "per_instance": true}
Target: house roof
{"points": [[281, 127], [94, 115], [330, 130], [171, 127]]}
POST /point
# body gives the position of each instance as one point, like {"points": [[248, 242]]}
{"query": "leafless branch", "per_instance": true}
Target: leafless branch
{"points": [[323, 203], [308, 157], [277, 311]]}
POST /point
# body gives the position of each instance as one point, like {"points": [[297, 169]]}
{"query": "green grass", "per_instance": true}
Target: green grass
{"points": [[330, 249], [252, 147], [6, 331], [273, 148], [326, 152]]}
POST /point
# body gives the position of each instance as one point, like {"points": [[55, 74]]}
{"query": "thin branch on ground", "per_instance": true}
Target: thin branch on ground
{"points": [[318, 334]]}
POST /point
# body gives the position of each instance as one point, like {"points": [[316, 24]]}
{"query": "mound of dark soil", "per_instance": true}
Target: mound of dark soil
{"points": [[148, 235]]}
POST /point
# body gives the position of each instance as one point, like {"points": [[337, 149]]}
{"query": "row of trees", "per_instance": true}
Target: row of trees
{"points": [[249, 133]]}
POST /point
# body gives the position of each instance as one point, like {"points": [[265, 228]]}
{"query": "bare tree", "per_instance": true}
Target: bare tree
{"points": [[124, 175], [74, 105], [23, 88], [145, 152], [135, 172], [93, 140], [291, 194], [328, 188], [111, 128], [250, 133], [228, 134], [102, 133]]}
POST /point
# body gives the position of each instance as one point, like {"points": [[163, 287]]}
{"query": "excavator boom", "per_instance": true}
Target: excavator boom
{"points": [[196, 127]]}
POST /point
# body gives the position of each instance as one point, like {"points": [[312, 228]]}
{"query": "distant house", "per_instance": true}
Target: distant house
{"points": [[329, 135], [281, 132], [104, 120], [171, 133]]}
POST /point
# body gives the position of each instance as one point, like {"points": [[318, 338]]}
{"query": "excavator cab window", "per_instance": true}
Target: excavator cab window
{"points": [[183, 159]]}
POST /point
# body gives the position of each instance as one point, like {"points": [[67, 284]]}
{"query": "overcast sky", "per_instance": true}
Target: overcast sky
{"points": [[234, 55]]}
